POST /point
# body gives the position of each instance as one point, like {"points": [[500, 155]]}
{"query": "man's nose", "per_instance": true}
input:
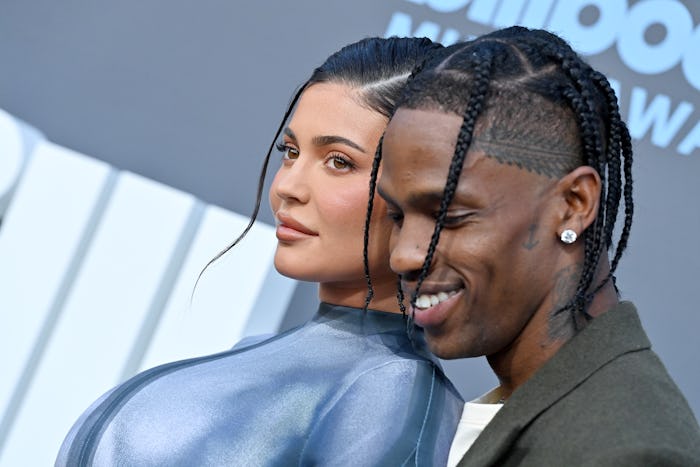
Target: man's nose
{"points": [[409, 249]]}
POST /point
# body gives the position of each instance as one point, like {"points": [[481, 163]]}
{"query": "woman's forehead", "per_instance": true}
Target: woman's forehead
{"points": [[335, 109]]}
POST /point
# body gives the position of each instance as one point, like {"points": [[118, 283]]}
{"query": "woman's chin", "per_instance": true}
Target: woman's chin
{"points": [[295, 268]]}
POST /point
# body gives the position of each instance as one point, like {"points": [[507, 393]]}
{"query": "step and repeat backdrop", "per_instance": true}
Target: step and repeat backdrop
{"points": [[157, 115]]}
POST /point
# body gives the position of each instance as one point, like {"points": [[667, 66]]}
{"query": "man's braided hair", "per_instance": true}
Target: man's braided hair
{"points": [[519, 84]]}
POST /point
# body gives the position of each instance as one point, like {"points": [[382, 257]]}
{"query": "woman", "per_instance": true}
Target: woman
{"points": [[346, 388]]}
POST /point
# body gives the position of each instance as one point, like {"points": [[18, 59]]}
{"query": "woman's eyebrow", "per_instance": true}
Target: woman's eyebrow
{"points": [[332, 139], [325, 140]]}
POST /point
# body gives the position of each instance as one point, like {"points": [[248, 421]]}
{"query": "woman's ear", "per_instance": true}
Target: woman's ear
{"points": [[580, 191]]}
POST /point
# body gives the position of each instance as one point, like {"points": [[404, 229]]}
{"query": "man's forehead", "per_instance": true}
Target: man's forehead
{"points": [[419, 133], [427, 118], [430, 132]]}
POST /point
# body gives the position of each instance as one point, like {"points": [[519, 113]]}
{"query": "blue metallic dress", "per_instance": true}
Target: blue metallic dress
{"points": [[348, 388]]}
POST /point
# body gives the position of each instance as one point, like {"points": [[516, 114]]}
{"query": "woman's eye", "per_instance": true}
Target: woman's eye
{"points": [[288, 152], [337, 162]]}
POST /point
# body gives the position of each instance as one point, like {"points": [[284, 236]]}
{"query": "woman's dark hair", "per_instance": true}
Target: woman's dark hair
{"points": [[518, 84], [377, 68]]}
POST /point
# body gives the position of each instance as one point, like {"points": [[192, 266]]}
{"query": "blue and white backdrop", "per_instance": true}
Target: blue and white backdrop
{"points": [[131, 136]]}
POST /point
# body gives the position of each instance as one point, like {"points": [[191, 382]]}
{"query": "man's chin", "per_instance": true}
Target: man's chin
{"points": [[448, 347], [444, 350]]}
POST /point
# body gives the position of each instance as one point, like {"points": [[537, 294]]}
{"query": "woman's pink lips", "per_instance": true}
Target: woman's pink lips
{"points": [[436, 314], [286, 233], [290, 229]]}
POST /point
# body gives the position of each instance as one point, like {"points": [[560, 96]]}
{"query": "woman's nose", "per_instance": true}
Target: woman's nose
{"points": [[291, 182]]}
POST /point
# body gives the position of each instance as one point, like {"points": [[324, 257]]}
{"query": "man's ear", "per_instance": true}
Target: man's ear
{"points": [[580, 191]]}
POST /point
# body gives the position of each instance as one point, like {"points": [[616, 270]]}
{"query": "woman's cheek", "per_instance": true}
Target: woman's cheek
{"points": [[346, 207]]}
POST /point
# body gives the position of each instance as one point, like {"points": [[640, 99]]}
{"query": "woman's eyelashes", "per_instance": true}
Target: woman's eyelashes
{"points": [[289, 153], [335, 161], [338, 161]]}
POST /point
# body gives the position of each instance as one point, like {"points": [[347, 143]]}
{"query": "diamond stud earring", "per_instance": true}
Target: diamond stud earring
{"points": [[568, 236]]}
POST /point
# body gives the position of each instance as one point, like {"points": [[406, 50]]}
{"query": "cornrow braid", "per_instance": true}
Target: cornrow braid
{"points": [[592, 84], [376, 162], [475, 105], [595, 236], [593, 245], [537, 86]]}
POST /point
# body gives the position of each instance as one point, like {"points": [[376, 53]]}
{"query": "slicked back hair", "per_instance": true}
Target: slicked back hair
{"points": [[519, 84], [377, 68]]}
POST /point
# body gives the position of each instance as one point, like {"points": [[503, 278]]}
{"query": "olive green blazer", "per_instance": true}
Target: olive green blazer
{"points": [[605, 399]]}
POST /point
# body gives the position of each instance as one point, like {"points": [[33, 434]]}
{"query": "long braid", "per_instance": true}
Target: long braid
{"points": [[376, 162], [608, 166], [607, 163], [365, 247], [592, 243], [577, 94], [612, 202], [627, 193], [582, 101], [612, 153], [621, 146], [475, 105], [370, 206], [400, 297]]}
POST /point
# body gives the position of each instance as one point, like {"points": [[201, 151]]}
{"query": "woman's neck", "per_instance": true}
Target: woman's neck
{"points": [[355, 294]]}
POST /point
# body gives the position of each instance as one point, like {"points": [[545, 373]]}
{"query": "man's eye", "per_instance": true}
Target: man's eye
{"points": [[455, 219]]}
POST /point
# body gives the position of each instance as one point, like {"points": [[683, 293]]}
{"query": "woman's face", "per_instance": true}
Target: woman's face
{"points": [[320, 192]]}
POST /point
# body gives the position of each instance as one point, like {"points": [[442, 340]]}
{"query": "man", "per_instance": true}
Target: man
{"points": [[504, 169]]}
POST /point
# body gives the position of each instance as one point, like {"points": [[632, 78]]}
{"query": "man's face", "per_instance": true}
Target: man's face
{"points": [[491, 272]]}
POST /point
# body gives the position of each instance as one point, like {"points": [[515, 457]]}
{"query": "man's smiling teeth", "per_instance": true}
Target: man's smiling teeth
{"points": [[427, 300]]}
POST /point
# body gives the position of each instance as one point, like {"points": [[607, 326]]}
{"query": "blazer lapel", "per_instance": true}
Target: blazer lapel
{"points": [[605, 338]]}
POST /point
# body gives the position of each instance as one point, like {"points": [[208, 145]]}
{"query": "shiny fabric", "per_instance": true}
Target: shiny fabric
{"points": [[346, 389]]}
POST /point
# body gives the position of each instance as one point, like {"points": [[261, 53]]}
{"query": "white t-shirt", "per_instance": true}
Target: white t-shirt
{"points": [[475, 416]]}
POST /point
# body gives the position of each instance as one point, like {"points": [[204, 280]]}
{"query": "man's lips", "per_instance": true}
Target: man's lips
{"points": [[432, 291], [433, 308], [289, 228]]}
